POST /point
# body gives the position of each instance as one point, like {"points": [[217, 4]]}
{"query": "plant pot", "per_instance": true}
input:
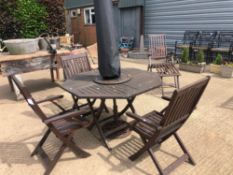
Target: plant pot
{"points": [[214, 68], [226, 71], [197, 68]]}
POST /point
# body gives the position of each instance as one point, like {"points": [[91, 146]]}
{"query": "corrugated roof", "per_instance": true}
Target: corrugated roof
{"points": [[130, 3], [69, 4]]}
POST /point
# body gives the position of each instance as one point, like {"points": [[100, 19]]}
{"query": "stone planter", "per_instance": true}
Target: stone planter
{"points": [[197, 68], [214, 68], [226, 71], [21, 46]]}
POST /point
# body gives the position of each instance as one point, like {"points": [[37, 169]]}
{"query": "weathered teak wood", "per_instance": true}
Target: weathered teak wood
{"points": [[157, 47], [167, 70], [62, 125], [72, 66], [158, 50], [75, 64], [39, 54], [16, 64], [84, 87], [156, 127]]}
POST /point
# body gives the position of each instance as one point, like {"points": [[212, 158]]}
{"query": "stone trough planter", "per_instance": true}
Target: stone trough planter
{"points": [[214, 68], [197, 68], [21, 46], [226, 71]]}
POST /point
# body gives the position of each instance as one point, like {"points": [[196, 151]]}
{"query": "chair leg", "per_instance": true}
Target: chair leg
{"points": [[71, 145], [178, 82], [162, 87], [106, 108], [40, 144], [155, 161], [184, 149], [148, 68], [55, 160], [138, 154]]}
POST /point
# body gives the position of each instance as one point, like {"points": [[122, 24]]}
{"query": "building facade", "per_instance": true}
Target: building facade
{"points": [[80, 19], [170, 17]]}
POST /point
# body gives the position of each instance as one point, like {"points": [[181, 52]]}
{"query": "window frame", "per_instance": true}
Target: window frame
{"points": [[90, 15]]}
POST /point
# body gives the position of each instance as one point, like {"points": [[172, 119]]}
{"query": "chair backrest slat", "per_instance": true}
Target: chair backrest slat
{"points": [[75, 64], [28, 97], [157, 46], [181, 106], [184, 101]]}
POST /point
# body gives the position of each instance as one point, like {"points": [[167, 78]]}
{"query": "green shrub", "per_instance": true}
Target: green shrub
{"points": [[8, 25], [218, 60], [31, 16], [200, 56], [185, 55]]}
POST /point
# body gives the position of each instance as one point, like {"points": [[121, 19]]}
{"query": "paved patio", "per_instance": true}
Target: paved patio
{"points": [[208, 134]]}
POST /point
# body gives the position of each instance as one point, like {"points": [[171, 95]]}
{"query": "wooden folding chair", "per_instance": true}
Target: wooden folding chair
{"points": [[62, 125], [158, 50], [73, 65], [156, 127]]}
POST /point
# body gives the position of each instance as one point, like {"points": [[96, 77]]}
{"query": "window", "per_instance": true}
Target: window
{"points": [[89, 15]]}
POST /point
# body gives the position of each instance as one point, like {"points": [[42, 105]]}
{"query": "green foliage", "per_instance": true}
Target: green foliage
{"points": [[31, 16], [185, 55], [56, 16], [218, 60], [200, 56], [8, 25]]}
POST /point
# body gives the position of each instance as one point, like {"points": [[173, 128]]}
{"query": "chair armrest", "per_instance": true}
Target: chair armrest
{"points": [[166, 98], [66, 115], [50, 99], [143, 120]]}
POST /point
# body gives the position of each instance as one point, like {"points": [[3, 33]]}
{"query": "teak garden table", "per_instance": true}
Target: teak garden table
{"points": [[84, 86]]}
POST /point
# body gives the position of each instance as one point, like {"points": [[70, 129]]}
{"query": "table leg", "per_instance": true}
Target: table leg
{"points": [[117, 114], [116, 126], [10, 84], [129, 105], [19, 96], [57, 73], [53, 56], [75, 105], [96, 116], [52, 75]]}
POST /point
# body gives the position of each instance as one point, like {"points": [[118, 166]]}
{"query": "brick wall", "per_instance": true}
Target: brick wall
{"points": [[84, 34]]}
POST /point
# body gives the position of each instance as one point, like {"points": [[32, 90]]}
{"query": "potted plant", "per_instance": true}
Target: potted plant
{"points": [[226, 70], [215, 66], [197, 66]]}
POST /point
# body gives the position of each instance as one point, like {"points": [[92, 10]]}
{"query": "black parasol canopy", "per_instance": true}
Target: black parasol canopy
{"points": [[108, 53]]}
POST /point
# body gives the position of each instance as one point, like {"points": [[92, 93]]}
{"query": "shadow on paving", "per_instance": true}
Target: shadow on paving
{"points": [[12, 153], [32, 85], [228, 104], [123, 151], [39, 84]]}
